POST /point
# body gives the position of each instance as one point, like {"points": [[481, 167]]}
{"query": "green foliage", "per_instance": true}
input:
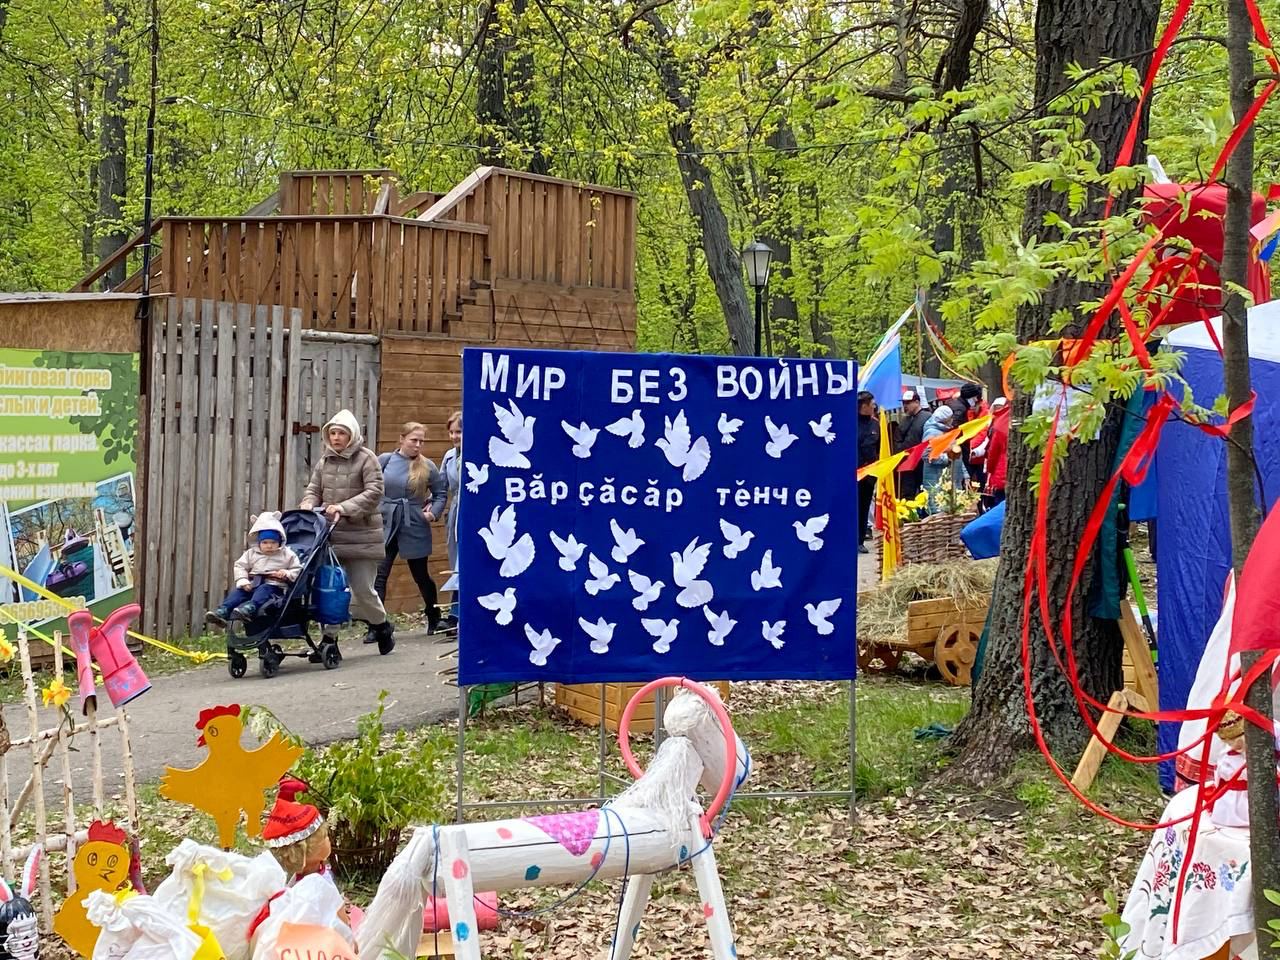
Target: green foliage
{"points": [[376, 781], [117, 426], [1115, 929], [1273, 925]]}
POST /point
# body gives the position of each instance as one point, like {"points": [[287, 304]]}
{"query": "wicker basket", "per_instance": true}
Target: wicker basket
{"points": [[363, 855], [932, 540]]}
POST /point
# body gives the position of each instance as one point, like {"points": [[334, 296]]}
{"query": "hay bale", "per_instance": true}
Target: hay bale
{"points": [[882, 613]]}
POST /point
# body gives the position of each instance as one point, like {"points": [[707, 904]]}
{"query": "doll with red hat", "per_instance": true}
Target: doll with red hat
{"points": [[298, 837], [295, 833]]}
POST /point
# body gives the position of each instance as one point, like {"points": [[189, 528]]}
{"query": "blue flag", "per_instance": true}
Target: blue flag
{"points": [[633, 516]]}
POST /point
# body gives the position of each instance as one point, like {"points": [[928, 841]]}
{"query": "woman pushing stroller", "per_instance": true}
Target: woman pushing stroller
{"points": [[347, 482]]}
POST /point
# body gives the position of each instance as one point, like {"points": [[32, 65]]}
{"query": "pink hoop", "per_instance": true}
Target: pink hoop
{"points": [[726, 727]]}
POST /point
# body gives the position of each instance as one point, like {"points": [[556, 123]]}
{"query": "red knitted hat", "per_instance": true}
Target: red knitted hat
{"points": [[289, 822]]}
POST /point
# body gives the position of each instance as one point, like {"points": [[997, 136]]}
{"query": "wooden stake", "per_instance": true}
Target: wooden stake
{"points": [[130, 793], [68, 800], [1091, 760], [95, 749], [37, 776]]}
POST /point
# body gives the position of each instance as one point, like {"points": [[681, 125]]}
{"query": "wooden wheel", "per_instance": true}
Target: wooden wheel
{"points": [[954, 653], [878, 658]]}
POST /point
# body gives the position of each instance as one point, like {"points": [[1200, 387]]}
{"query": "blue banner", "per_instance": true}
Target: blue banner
{"points": [[630, 516]]}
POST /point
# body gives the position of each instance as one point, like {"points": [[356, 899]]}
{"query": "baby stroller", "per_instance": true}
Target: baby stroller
{"points": [[289, 616]]}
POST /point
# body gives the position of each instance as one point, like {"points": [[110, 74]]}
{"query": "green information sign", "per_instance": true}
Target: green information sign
{"points": [[68, 429]]}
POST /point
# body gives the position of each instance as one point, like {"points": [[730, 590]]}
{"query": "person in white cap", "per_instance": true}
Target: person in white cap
{"points": [[911, 433]]}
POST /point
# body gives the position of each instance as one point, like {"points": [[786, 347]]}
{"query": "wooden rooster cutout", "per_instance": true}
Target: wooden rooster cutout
{"points": [[231, 780]]}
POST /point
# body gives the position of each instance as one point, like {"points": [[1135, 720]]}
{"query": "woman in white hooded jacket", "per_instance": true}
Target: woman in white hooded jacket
{"points": [[347, 482]]}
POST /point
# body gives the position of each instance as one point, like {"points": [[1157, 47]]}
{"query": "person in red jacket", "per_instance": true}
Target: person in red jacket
{"points": [[997, 451]]}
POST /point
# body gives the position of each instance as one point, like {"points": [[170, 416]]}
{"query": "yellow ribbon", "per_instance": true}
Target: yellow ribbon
{"points": [[199, 656], [196, 901]]}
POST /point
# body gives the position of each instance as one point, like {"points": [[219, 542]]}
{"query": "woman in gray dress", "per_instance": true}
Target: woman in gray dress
{"points": [[451, 465], [413, 499]]}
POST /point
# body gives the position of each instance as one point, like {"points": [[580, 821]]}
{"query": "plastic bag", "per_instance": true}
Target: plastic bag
{"points": [[330, 595], [139, 929], [312, 900], [225, 891]]}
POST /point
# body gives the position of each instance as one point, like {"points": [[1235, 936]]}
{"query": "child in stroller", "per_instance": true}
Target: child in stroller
{"points": [[305, 598], [262, 574]]}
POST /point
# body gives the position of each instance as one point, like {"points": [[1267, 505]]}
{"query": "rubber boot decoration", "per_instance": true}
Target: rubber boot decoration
{"points": [[80, 625], [121, 674]]}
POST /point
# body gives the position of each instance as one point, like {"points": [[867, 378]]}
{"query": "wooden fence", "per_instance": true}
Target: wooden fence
{"points": [[345, 272], [235, 404], [546, 230]]}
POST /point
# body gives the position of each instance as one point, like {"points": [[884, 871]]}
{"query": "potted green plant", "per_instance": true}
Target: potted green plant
{"points": [[373, 787]]}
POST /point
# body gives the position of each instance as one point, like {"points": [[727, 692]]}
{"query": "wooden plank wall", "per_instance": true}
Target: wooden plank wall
{"points": [[422, 377], [215, 435]]}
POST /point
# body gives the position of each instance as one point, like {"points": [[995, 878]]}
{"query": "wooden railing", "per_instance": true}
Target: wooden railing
{"points": [[327, 192], [344, 272], [546, 230]]}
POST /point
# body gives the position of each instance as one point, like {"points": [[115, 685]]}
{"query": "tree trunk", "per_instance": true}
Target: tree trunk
{"points": [[505, 109], [723, 263], [1083, 32], [111, 230], [1264, 840]]}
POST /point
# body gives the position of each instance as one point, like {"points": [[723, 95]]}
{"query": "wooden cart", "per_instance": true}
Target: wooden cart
{"points": [[941, 631], [582, 702]]}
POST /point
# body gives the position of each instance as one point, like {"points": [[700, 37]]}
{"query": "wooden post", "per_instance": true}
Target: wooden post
{"points": [[37, 775], [68, 799], [130, 791], [95, 750], [1091, 760]]}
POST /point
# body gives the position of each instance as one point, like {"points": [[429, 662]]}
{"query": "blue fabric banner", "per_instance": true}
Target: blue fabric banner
{"points": [[632, 516]]}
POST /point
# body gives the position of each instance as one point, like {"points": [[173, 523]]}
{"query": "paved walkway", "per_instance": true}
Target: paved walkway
{"points": [[319, 705]]}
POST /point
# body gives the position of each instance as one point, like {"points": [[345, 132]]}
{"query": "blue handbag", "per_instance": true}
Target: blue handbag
{"points": [[331, 596]]}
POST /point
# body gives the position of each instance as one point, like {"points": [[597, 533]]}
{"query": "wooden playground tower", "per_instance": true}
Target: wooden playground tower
{"points": [[340, 290]]}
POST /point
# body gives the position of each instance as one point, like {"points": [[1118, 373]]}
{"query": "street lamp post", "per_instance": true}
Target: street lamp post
{"points": [[757, 257]]}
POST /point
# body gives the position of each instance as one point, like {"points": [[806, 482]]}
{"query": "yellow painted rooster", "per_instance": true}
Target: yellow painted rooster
{"points": [[231, 780]]}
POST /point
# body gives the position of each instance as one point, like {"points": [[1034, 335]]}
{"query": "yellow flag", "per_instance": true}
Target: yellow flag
{"points": [[887, 503]]}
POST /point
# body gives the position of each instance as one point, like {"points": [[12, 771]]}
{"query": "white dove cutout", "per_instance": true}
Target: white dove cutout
{"points": [[600, 632], [772, 632], [631, 427], [583, 437], [543, 643], [690, 456], [780, 437], [626, 542], [518, 430], [570, 551], [737, 538], [646, 590], [768, 576], [664, 630], [685, 569], [727, 428], [500, 538], [808, 530], [477, 477], [601, 579], [818, 615], [720, 626], [502, 604], [822, 428]]}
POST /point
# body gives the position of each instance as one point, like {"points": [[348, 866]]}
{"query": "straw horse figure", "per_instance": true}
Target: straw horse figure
{"points": [[653, 826]]}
